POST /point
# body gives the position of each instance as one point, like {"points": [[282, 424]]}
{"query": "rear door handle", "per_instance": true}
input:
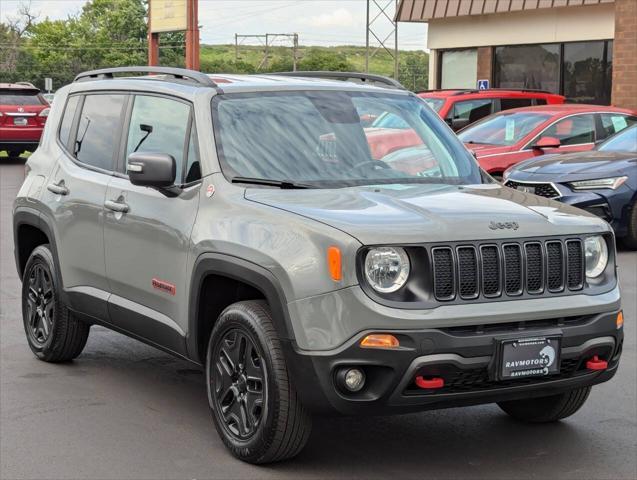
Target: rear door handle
{"points": [[58, 188], [120, 207]]}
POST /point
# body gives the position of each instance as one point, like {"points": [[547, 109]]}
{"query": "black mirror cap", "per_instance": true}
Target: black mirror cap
{"points": [[148, 169]]}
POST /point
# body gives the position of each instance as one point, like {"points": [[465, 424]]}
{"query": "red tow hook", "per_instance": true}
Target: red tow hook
{"points": [[430, 383], [596, 363]]}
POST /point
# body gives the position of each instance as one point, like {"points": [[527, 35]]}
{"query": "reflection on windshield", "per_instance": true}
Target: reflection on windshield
{"points": [[505, 129], [325, 139], [625, 141], [434, 103]]}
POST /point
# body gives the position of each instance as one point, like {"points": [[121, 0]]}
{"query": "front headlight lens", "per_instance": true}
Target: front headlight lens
{"points": [[613, 183], [387, 268], [596, 253]]}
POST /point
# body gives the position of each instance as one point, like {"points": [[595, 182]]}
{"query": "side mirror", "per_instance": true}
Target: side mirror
{"points": [[458, 123], [547, 142], [155, 170]]}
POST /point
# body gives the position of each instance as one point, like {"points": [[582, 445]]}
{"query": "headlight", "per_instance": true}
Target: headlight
{"points": [[612, 183], [387, 268], [506, 174], [596, 253]]}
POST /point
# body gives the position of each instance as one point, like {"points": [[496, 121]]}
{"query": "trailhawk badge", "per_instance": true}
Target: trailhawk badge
{"points": [[530, 357]]}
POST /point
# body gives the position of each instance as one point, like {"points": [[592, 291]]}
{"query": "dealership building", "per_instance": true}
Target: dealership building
{"points": [[583, 49]]}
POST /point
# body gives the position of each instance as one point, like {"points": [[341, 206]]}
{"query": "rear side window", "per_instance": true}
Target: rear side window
{"points": [[540, 101], [67, 119], [159, 125], [99, 129], [509, 103], [7, 98], [613, 123], [573, 130], [471, 110]]}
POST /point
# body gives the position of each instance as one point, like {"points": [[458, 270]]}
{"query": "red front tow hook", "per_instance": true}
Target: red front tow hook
{"points": [[596, 363], [430, 383]]}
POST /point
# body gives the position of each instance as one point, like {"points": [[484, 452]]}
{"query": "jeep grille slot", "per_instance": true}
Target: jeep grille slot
{"points": [[467, 272], [444, 283], [555, 264], [575, 264], [491, 271], [534, 267], [512, 269]]}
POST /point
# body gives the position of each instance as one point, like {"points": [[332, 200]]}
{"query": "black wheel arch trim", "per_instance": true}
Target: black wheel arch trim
{"points": [[24, 215], [244, 271]]}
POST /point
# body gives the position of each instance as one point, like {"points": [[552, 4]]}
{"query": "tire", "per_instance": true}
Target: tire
{"points": [[14, 153], [630, 240], [547, 409], [245, 357], [54, 335]]}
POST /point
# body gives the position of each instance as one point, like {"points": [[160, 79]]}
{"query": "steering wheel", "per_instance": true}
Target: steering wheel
{"points": [[366, 163]]}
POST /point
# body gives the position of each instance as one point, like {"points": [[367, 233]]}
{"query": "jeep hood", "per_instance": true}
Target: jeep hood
{"points": [[385, 214]]}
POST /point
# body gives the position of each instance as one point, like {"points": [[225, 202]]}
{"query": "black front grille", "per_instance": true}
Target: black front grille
{"points": [[541, 189], [511, 269]]}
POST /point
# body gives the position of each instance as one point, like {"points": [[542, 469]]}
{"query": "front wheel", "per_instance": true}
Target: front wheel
{"points": [[630, 240], [254, 405], [547, 409]]}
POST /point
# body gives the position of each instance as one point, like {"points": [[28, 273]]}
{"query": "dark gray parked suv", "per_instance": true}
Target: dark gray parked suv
{"points": [[256, 225]]}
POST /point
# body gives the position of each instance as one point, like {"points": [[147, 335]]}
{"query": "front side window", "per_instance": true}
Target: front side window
{"points": [[319, 140], [505, 129], [98, 130], [626, 141], [159, 125], [434, 103], [574, 130]]}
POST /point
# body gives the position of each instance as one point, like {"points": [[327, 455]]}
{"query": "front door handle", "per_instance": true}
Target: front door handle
{"points": [[58, 188], [120, 207]]}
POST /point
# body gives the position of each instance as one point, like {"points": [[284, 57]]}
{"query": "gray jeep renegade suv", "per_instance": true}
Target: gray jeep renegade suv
{"points": [[261, 227]]}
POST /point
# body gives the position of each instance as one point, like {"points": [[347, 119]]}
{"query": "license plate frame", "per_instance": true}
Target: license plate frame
{"points": [[528, 357], [20, 121]]}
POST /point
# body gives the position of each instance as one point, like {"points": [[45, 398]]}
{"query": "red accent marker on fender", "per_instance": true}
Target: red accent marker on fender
{"points": [[164, 286]]}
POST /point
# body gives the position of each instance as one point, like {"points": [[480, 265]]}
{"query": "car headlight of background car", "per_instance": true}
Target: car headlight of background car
{"points": [[387, 268], [612, 182], [596, 253]]}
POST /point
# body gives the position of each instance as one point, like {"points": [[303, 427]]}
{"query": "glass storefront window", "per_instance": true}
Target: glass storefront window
{"points": [[459, 68], [587, 78], [534, 67]]}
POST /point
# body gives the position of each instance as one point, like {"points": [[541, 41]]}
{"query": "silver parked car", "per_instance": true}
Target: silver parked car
{"points": [[260, 227]]}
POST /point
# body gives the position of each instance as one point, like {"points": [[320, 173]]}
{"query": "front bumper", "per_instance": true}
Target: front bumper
{"points": [[463, 356], [612, 206]]}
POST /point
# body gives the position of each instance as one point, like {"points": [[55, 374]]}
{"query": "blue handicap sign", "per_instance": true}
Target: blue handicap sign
{"points": [[483, 84]]}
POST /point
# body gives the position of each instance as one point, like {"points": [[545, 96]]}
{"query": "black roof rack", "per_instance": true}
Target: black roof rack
{"points": [[177, 73], [464, 91], [345, 76]]}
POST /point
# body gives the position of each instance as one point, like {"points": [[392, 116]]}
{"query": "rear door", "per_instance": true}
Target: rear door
{"points": [[147, 244], [75, 192]]}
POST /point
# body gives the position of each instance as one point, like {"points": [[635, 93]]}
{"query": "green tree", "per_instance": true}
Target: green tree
{"points": [[316, 59]]}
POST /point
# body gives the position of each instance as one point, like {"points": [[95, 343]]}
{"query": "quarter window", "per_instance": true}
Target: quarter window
{"points": [[193, 166], [613, 123], [159, 125], [573, 130], [98, 130], [67, 119]]}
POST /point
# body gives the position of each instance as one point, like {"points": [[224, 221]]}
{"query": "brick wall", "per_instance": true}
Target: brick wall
{"points": [[625, 55], [485, 63]]}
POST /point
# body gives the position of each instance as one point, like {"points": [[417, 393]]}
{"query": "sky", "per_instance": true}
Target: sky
{"points": [[318, 22]]}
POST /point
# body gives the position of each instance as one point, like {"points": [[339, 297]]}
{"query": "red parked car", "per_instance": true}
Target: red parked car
{"points": [[460, 108], [23, 113], [504, 139]]}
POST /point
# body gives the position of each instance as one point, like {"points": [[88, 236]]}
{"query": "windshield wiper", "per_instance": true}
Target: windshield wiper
{"points": [[283, 184]]}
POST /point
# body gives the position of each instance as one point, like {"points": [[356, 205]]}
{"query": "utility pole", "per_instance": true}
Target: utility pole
{"points": [[378, 21]]}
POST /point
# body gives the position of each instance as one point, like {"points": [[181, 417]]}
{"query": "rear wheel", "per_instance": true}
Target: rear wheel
{"points": [[54, 335], [630, 240], [254, 405], [547, 409], [14, 153]]}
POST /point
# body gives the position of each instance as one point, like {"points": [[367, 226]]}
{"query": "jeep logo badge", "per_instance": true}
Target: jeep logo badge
{"points": [[504, 225]]}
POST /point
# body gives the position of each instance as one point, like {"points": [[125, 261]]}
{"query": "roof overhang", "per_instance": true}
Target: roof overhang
{"points": [[425, 10]]}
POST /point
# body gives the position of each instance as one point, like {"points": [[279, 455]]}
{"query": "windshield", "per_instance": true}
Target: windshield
{"points": [[434, 103], [320, 139], [505, 130], [625, 141]]}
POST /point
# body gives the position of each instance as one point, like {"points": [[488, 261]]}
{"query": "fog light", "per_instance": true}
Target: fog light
{"points": [[352, 379]]}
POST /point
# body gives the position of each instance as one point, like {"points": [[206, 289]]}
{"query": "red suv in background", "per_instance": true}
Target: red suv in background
{"points": [[23, 113], [507, 138], [460, 108]]}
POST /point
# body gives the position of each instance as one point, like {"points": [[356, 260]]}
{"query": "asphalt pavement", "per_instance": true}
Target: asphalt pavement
{"points": [[124, 410]]}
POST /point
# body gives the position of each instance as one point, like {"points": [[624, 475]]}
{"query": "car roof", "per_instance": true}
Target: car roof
{"points": [[491, 92], [566, 109]]}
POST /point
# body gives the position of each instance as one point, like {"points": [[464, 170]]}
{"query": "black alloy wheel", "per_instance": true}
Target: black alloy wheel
{"points": [[40, 304]]}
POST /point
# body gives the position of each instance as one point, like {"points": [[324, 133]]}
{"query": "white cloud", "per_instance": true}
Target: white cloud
{"points": [[341, 17]]}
